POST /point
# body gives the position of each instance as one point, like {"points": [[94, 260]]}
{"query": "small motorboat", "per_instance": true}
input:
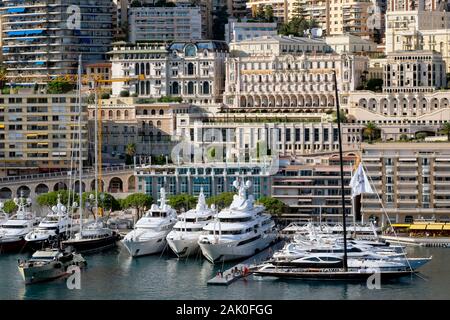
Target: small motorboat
{"points": [[49, 264]]}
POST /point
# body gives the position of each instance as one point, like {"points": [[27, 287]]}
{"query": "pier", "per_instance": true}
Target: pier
{"points": [[229, 276], [425, 242]]}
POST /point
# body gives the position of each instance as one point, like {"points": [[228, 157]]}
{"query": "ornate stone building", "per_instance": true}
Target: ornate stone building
{"points": [[299, 77], [193, 70]]}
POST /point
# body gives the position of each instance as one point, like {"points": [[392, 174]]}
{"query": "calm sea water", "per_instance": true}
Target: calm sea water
{"points": [[114, 275]]}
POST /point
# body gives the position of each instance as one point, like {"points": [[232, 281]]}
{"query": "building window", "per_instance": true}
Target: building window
{"points": [[175, 88], [190, 69], [190, 87]]}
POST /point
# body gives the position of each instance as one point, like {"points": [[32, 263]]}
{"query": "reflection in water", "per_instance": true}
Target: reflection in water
{"points": [[115, 275]]}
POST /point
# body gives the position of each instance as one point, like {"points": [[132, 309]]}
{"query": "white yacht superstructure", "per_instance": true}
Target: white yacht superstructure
{"points": [[56, 225], [183, 239], [149, 234], [14, 230], [239, 231]]}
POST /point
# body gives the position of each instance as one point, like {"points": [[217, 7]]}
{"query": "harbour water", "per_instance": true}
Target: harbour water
{"points": [[114, 275]]}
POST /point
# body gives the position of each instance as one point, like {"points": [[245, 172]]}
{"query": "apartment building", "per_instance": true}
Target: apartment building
{"points": [[178, 23], [39, 132], [410, 179], [43, 39]]}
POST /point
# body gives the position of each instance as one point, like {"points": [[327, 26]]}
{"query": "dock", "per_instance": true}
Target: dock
{"points": [[229, 276], [424, 242]]}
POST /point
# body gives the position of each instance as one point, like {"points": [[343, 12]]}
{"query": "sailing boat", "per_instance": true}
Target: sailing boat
{"points": [[360, 269], [94, 236]]}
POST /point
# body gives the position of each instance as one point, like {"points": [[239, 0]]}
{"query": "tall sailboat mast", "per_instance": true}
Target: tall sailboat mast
{"points": [[341, 160], [80, 149]]}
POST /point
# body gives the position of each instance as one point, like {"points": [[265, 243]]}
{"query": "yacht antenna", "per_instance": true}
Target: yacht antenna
{"points": [[341, 160]]}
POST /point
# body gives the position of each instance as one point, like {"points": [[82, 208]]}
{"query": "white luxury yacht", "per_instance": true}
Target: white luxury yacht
{"points": [[14, 230], [55, 226], [149, 234], [239, 231], [183, 239]]}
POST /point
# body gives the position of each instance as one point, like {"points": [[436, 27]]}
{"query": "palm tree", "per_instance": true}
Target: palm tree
{"points": [[369, 130], [130, 152], [445, 129]]}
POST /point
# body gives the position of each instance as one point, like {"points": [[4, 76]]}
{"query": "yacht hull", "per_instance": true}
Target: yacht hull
{"points": [[184, 247], [92, 245], [12, 246], [219, 252], [338, 275], [145, 247], [47, 272]]}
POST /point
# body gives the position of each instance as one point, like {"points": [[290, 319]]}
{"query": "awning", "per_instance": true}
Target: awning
{"points": [[2, 126], [31, 32], [15, 10], [418, 227], [32, 135], [5, 49], [39, 62], [401, 225], [435, 226], [446, 227], [15, 33]]}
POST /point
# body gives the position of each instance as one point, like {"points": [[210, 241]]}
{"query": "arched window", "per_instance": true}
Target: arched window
{"points": [[103, 113], [147, 69], [136, 68], [145, 112], [126, 114], [118, 115], [158, 136], [190, 68], [175, 88], [205, 88], [161, 112], [158, 124], [190, 87], [147, 87], [142, 88], [142, 68], [110, 114], [150, 124], [153, 112]]}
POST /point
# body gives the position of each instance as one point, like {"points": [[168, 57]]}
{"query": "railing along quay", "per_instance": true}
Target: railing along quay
{"points": [[40, 176]]}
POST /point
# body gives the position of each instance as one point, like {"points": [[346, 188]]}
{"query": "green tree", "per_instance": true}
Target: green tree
{"points": [[268, 14], [138, 201], [260, 13], [445, 129], [370, 131], [129, 153], [222, 200], [183, 200], [105, 201], [374, 85], [59, 86], [342, 116], [404, 137], [220, 18], [273, 205], [124, 93], [50, 199], [297, 9], [421, 136], [9, 207]]}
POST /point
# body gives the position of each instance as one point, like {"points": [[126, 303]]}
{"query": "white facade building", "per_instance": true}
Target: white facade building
{"points": [[193, 71], [289, 73]]}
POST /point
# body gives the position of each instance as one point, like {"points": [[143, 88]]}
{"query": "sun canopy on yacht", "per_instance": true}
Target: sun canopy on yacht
{"points": [[435, 226], [418, 227]]}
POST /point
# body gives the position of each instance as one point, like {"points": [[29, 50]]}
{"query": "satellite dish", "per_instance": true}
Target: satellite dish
{"points": [[63, 208], [236, 184], [316, 32], [54, 208], [248, 184]]}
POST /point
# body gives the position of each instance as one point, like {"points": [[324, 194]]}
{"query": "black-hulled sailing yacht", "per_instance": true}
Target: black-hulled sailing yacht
{"points": [[94, 236], [323, 268]]}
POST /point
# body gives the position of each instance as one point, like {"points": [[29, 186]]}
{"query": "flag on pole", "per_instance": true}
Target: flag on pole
{"points": [[360, 183]]}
